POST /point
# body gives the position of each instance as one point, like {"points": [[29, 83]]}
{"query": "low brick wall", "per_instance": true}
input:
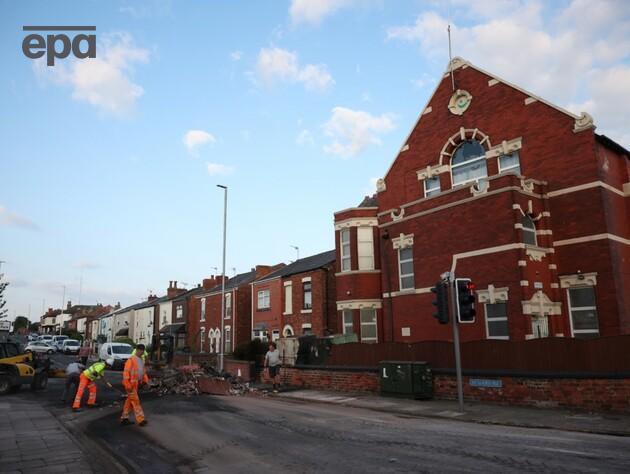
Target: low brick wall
{"points": [[593, 394], [240, 368], [183, 359]]}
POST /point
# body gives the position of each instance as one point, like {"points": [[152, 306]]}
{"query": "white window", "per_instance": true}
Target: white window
{"points": [[287, 331], [288, 298], [179, 311], [405, 268], [308, 294], [217, 340], [228, 339], [348, 322], [203, 309], [202, 338], [368, 325], [529, 231], [510, 163], [583, 310], [228, 306], [468, 163], [211, 340], [432, 186], [263, 299], [365, 240], [275, 335], [496, 321], [346, 260]]}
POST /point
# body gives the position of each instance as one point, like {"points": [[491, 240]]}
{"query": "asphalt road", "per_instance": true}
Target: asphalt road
{"points": [[263, 434]]}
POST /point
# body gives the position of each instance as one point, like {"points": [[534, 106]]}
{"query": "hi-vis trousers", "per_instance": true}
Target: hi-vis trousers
{"points": [[91, 386], [133, 401]]}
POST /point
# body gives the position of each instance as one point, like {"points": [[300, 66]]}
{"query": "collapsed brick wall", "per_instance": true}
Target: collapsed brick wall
{"points": [[571, 393]]}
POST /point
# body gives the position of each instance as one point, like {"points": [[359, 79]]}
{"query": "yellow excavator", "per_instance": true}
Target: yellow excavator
{"points": [[19, 368]]}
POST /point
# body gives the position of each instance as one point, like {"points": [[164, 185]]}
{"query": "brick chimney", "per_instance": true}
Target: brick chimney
{"points": [[152, 297], [209, 282], [172, 289], [262, 270]]}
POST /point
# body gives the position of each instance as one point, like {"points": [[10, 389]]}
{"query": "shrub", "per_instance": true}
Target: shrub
{"points": [[126, 340]]}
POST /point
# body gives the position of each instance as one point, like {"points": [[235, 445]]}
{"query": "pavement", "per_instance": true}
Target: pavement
{"points": [[526, 417], [33, 441]]}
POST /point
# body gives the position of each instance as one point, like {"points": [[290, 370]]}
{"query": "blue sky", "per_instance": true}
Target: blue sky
{"points": [[108, 168]]}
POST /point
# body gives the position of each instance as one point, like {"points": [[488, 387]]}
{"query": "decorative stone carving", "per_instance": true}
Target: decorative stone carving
{"points": [[505, 147], [527, 185], [460, 101], [431, 171], [463, 134], [493, 295], [397, 217], [402, 241], [540, 304], [583, 122], [380, 185], [456, 63], [535, 254], [579, 279], [358, 304], [480, 187]]}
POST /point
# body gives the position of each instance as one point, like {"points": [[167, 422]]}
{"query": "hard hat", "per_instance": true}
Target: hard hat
{"points": [[110, 362]]}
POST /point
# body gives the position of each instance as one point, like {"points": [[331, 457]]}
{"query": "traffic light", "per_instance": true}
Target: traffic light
{"points": [[441, 301], [465, 300]]}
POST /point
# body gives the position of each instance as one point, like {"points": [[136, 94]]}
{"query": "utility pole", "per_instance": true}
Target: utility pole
{"points": [[449, 277], [222, 340], [63, 299]]}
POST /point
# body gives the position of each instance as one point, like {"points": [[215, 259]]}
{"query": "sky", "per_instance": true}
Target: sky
{"points": [[109, 166]]}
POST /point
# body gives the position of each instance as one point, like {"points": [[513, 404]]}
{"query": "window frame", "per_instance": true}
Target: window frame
{"points": [[228, 305], [375, 324], [346, 257], [345, 324], [268, 299], [528, 230], [202, 338], [467, 163], [288, 298], [366, 231], [405, 275], [433, 191], [582, 308], [227, 348], [204, 304], [179, 311], [494, 319], [510, 168], [308, 292]]}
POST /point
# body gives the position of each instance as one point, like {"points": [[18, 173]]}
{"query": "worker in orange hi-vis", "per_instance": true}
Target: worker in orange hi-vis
{"points": [[134, 375], [88, 380]]}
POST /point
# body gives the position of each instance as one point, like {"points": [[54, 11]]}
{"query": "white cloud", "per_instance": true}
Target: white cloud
{"points": [[314, 11], [353, 130], [305, 137], [276, 64], [87, 265], [11, 219], [236, 55], [219, 169], [573, 55], [104, 81], [193, 139]]}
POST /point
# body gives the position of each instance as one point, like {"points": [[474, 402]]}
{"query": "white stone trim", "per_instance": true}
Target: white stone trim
{"points": [[582, 187], [539, 304], [493, 295], [524, 283], [355, 272], [380, 185], [405, 147], [530, 100], [358, 304], [287, 283], [493, 82], [505, 147], [545, 214], [626, 188], [428, 110], [305, 279], [522, 263], [431, 171], [306, 326], [577, 280], [306, 311], [591, 238], [415, 291], [536, 254], [402, 241], [583, 122], [553, 266], [544, 232], [555, 285], [518, 225], [356, 222], [355, 209]]}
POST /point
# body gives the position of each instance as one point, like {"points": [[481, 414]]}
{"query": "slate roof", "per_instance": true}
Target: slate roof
{"points": [[369, 201], [235, 282], [302, 265], [613, 145]]}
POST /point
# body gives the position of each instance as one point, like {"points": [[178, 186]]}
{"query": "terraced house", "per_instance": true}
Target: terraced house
{"points": [[504, 187]]}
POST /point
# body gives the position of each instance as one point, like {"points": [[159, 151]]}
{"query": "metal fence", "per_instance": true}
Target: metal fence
{"points": [[599, 355]]}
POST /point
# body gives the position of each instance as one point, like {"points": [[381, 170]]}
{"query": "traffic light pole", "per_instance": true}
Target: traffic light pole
{"points": [[458, 358]]}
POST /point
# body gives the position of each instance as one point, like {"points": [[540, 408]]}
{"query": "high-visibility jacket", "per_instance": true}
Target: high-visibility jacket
{"points": [[130, 374], [95, 371], [144, 355]]}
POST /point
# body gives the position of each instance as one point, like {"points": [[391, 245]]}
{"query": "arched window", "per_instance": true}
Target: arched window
{"points": [[468, 162], [287, 331], [529, 231]]}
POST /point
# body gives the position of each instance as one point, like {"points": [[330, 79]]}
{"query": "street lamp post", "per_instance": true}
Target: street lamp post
{"points": [[63, 299], [222, 340]]}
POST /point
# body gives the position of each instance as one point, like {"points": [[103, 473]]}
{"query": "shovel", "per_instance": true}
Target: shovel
{"points": [[123, 395]]}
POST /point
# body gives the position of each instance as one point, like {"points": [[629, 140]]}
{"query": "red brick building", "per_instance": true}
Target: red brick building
{"points": [[503, 187], [296, 299]]}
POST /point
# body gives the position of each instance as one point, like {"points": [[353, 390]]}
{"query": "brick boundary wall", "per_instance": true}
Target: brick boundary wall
{"points": [[593, 394]]}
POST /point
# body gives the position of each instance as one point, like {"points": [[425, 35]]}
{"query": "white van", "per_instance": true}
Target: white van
{"points": [[119, 351], [45, 338], [57, 341]]}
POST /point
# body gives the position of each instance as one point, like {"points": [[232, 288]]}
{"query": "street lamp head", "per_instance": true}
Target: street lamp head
{"points": [[221, 186]]}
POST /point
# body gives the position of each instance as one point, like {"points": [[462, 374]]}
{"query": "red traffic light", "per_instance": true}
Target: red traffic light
{"points": [[471, 286]]}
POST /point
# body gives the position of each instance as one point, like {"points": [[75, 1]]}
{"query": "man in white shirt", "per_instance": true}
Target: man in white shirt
{"points": [[73, 373], [272, 362]]}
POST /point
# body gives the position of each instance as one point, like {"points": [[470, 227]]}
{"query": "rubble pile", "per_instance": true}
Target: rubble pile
{"points": [[193, 379]]}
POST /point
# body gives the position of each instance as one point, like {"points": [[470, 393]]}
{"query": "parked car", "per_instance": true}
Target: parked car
{"points": [[119, 351], [70, 346], [45, 338], [41, 347], [33, 337], [58, 341]]}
